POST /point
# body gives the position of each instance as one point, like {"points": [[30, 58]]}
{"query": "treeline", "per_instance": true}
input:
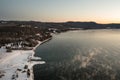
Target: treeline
{"points": [[27, 35], [63, 25]]}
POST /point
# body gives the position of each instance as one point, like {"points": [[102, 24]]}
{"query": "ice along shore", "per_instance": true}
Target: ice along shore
{"points": [[18, 64]]}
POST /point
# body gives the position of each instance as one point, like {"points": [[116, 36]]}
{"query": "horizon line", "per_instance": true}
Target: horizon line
{"points": [[62, 21]]}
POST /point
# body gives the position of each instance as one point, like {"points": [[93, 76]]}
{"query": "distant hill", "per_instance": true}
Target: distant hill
{"points": [[70, 24]]}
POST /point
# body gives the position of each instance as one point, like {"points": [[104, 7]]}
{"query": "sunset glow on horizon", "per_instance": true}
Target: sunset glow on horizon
{"points": [[100, 11]]}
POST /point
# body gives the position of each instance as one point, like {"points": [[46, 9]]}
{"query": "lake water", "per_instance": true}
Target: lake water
{"points": [[80, 55]]}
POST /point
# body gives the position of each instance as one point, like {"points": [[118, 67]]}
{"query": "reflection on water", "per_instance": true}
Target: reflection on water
{"points": [[80, 55]]}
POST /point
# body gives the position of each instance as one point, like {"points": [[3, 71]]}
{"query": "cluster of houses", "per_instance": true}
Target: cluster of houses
{"points": [[21, 37]]}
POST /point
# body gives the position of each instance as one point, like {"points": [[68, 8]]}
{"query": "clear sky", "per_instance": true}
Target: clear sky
{"points": [[101, 11]]}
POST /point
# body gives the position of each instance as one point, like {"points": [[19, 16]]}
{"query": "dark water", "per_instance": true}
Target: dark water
{"points": [[80, 55]]}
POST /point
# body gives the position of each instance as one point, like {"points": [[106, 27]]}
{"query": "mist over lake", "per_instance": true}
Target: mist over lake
{"points": [[80, 55]]}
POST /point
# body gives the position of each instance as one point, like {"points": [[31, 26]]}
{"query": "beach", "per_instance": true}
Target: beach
{"points": [[18, 64]]}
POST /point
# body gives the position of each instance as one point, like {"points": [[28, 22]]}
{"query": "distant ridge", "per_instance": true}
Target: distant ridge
{"points": [[69, 24]]}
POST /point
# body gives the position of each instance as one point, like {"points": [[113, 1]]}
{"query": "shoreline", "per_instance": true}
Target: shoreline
{"points": [[13, 63], [34, 48], [31, 68], [39, 43]]}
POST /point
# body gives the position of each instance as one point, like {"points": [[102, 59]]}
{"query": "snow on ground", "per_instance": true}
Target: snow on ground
{"points": [[12, 64]]}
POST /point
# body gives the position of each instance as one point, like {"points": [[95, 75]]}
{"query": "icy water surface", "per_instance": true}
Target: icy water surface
{"points": [[80, 55]]}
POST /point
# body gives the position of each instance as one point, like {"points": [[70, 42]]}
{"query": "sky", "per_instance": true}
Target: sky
{"points": [[100, 11]]}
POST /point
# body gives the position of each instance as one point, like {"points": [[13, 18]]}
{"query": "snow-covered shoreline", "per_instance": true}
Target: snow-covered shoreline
{"points": [[12, 64]]}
